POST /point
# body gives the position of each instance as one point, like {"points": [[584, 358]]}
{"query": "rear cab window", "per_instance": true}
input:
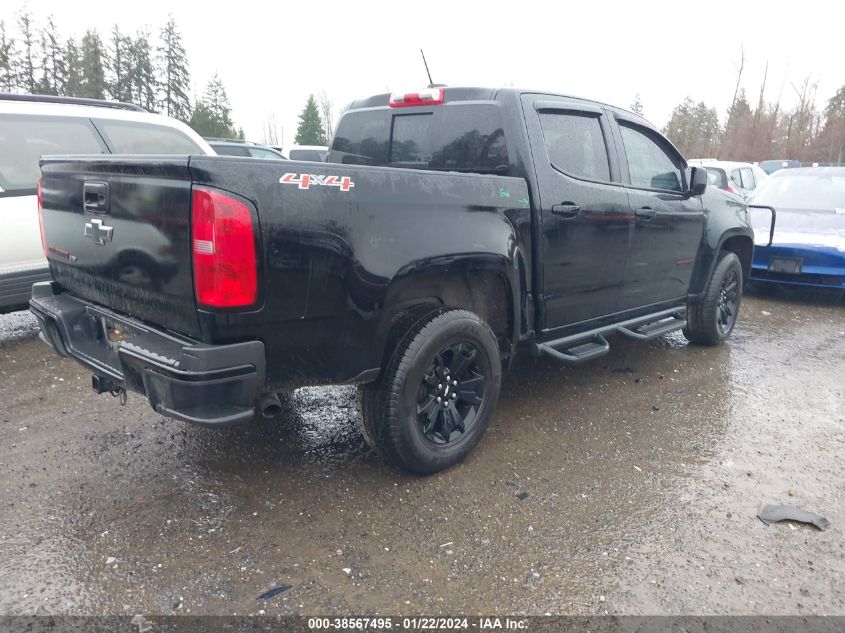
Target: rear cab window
{"points": [[24, 139], [460, 137]]}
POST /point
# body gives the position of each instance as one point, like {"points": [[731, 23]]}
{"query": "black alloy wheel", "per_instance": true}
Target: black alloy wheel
{"points": [[728, 302], [435, 397], [451, 394]]}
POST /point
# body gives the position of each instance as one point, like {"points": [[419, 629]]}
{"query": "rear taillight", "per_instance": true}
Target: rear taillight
{"points": [[41, 217], [223, 247], [431, 96], [730, 189]]}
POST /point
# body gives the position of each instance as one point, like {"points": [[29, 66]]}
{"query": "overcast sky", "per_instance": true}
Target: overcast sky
{"points": [[271, 55]]}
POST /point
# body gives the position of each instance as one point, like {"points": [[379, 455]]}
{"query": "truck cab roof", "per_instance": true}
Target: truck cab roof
{"points": [[453, 94]]}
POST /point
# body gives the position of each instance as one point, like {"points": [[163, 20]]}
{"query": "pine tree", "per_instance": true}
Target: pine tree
{"points": [[53, 68], [831, 141], [120, 72], [26, 65], [144, 88], [173, 73], [310, 130], [706, 122], [74, 72], [93, 84], [213, 115], [8, 76], [736, 138], [680, 128]]}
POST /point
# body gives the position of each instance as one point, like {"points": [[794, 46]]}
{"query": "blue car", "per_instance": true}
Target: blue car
{"points": [[808, 243]]}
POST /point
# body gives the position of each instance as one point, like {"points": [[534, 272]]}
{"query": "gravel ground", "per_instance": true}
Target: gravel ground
{"points": [[16, 326], [627, 486]]}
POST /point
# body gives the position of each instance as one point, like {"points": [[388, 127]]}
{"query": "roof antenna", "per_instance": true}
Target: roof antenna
{"points": [[430, 82]]}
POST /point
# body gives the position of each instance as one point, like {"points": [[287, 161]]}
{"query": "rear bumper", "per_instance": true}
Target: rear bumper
{"points": [[211, 385], [16, 287]]}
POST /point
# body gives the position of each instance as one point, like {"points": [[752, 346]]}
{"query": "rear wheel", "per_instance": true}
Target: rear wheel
{"points": [[437, 395], [711, 320]]}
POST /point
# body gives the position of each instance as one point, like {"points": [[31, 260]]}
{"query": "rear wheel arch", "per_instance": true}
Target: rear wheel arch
{"points": [[485, 291], [743, 247]]}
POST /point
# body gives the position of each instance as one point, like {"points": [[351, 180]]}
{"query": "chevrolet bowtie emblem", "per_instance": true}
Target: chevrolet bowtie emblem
{"points": [[98, 232]]}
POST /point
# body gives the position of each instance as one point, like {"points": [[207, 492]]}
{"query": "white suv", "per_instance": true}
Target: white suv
{"points": [[32, 126], [742, 179], [315, 153]]}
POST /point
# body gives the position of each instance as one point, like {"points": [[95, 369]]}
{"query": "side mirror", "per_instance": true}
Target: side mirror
{"points": [[698, 181]]}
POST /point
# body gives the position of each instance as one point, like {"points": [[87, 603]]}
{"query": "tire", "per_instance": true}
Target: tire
{"points": [[711, 320], [416, 431], [368, 412]]}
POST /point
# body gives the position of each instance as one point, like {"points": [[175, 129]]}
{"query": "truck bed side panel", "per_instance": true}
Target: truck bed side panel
{"points": [[331, 254]]}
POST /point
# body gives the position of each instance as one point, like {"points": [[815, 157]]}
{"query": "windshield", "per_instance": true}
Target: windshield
{"points": [[804, 191], [792, 221], [806, 204]]}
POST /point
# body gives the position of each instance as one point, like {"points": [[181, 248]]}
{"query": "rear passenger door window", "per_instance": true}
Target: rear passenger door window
{"points": [[747, 178], [24, 139], [717, 177], [575, 144], [650, 165], [229, 150], [129, 137], [259, 152]]}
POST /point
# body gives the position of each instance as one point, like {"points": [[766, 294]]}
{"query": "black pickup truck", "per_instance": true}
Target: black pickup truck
{"points": [[449, 229]]}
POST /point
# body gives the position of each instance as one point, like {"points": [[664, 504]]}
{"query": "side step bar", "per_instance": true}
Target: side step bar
{"points": [[579, 348]]}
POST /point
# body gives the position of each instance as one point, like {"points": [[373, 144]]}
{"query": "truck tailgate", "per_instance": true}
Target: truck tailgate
{"points": [[117, 232]]}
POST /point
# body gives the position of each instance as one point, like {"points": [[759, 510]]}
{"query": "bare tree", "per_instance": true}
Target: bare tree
{"points": [[730, 125], [759, 112], [271, 133], [739, 70], [326, 111]]}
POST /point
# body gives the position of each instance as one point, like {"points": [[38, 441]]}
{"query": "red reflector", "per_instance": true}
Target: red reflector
{"points": [[223, 246], [41, 217], [431, 96]]}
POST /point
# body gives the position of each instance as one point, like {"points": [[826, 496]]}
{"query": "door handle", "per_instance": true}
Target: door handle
{"points": [[567, 210], [645, 213]]}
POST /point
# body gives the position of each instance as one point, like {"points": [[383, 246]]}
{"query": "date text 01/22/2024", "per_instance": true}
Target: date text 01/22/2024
{"points": [[418, 623]]}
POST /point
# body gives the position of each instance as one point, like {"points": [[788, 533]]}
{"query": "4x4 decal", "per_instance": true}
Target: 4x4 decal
{"points": [[305, 181]]}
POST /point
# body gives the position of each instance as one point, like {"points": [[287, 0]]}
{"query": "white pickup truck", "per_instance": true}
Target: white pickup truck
{"points": [[32, 126]]}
